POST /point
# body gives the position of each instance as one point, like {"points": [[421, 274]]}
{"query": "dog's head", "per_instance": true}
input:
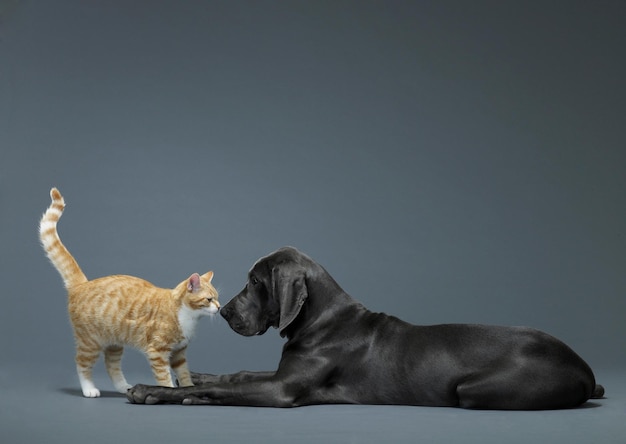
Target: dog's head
{"points": [[273, 296]]}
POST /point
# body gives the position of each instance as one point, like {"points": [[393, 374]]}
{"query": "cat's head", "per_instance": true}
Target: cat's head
{"points": [[199, 294]]}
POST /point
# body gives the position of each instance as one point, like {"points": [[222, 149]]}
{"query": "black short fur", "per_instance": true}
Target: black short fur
{"points": [[339, 352]]}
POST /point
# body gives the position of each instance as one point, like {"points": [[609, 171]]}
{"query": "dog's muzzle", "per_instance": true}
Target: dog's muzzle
{"points": [[234, 319], [239, 324]]}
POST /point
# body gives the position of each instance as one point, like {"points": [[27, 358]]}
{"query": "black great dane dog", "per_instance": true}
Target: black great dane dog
{"points": [[338, 352]]}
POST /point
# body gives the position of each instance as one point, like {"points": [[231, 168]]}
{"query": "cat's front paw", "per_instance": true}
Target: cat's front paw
{"points": [[143, 394], [91, 392], [123, 388]]}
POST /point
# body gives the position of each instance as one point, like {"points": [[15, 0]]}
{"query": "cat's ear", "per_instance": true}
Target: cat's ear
{"points": [[194, 282], [208, 276]]}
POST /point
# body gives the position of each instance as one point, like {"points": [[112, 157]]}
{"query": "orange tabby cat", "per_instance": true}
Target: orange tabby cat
{"points": [[114, 311]]}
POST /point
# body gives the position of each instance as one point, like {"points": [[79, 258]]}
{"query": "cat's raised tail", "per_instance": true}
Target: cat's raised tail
{"points": [[60, 257]]}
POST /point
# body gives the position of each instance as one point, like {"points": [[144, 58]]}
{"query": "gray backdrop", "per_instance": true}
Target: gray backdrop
{"points": [[446, 161]]}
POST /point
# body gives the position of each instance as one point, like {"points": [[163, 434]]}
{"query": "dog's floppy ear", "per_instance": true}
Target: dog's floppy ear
{"points": [[289, 288]]}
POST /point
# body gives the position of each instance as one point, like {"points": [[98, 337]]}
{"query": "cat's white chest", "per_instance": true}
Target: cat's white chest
{"points": [[187, 319]]}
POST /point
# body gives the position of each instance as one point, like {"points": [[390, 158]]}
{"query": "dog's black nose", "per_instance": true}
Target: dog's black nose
{"points": [[226, 312]]}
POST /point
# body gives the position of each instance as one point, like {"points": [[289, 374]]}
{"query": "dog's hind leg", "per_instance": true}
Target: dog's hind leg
{"points": [[524, 389]]}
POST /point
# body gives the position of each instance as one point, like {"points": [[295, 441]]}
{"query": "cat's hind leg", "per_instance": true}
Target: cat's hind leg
{"points": [[113, 364], [178, 361], [86, 358]]}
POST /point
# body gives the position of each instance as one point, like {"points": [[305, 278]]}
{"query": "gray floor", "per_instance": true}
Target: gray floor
{"points": [[55, 412]]}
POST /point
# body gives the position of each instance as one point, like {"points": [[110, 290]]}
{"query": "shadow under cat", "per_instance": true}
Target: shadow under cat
{"points": [[79, 393]]}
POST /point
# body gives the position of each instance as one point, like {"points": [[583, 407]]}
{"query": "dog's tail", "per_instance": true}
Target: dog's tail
{"points": [[598, 392]]}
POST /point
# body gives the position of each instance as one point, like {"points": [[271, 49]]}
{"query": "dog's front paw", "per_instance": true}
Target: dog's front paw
{"points": [[143, 394], [202, 378]]}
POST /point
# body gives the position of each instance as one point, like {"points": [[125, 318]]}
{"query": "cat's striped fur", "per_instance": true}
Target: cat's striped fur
{"points": [[113, 311]]}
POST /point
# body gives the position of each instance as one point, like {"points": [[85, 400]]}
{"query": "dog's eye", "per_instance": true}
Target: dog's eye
{"points": [[253, 280]]}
